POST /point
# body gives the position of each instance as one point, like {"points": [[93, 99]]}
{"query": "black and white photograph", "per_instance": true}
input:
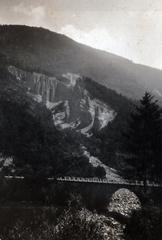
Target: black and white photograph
{"points": [[80, 120]]}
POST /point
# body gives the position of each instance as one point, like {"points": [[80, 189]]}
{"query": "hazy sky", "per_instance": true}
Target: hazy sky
{"points": [[130, 28]]}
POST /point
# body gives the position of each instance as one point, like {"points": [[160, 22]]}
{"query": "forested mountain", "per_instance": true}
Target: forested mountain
{"points": [[76, 105], [30, 139], [59, 78], [40, 50]]}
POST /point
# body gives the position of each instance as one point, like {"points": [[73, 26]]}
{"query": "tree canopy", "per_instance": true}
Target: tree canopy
{"points": [[144, 139]]}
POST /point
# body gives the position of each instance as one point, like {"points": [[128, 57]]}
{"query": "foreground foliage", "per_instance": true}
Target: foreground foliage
{"points": [[145, 224], [70, 224]]}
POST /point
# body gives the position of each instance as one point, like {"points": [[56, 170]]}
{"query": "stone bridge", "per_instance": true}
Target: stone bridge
{"points": [[152, 190], [94, 180], [105, 186]]}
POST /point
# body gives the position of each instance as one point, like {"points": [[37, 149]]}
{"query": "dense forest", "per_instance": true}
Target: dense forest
{"points": [[29, 136]]}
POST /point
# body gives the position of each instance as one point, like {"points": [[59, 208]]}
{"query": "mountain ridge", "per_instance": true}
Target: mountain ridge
{"points": [[68, 78], [27, 46]]}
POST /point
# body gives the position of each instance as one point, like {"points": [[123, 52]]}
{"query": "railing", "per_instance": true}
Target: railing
{"points": [[95, 180], [107, 181]]}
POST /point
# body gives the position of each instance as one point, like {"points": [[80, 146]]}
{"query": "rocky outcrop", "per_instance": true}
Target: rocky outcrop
{"points": [[68, 99]]}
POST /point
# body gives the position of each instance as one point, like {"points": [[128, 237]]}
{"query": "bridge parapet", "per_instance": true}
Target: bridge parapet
{"points": [[95, 180], [109, 181]]}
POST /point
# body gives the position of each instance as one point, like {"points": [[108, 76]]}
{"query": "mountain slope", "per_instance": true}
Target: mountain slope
{"points": [[77, 103], [37, 49], [21, 116], [47, 68]]}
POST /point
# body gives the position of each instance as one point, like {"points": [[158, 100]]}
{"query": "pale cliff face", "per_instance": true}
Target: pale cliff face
{"points": [[71, 104]]}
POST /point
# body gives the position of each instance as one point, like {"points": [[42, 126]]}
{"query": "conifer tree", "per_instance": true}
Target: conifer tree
{"points": [[144, 140]]}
